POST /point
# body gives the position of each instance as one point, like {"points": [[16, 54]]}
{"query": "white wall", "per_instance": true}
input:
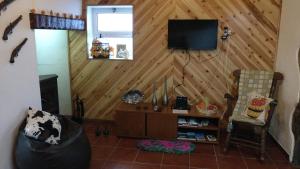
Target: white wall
{"points": [[52, 55], [61, 6], [287, 63], [19, 83]]}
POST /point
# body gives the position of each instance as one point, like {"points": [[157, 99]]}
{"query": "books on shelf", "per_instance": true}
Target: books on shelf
{"points": [[182, 121], [196, 136], [211, 138], [185, 138], [192, 122], [200, 137], [204, 123]]}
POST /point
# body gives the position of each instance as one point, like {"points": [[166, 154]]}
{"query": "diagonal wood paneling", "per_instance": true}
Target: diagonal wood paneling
{"points": [[253, 45]]}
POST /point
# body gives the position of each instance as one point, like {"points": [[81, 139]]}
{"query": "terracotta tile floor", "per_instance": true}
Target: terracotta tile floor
{"points": [[111, 152]]}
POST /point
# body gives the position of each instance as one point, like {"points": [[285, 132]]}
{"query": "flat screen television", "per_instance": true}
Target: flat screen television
{"points": [[192, 34]]}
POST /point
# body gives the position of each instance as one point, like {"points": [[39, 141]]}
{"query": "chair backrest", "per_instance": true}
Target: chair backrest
{"points": [[262, 82], [277, 76]]}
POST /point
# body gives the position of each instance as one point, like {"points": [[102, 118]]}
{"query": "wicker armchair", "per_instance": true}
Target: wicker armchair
{"points": [[249, 132]]}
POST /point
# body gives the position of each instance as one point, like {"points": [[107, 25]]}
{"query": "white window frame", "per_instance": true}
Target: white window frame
{"points": [[124, 9]]}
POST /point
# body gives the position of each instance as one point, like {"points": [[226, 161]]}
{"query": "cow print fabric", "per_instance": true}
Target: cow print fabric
{"points": [[43, 126]]}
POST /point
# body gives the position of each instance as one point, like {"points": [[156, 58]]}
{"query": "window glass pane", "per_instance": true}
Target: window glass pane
{"points": [[114, 22]]}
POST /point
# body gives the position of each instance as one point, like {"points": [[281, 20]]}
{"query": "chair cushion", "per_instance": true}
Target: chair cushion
{"points": [[241, 118], [42, 126], [258, 107]]}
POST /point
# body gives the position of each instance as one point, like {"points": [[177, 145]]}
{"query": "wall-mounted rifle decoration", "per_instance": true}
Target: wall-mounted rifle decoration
{"points": [[4, 4], [10, 27], [15, 52]]}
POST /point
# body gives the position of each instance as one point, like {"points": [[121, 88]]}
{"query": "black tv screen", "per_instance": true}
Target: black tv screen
{"points": [[192, 34]]}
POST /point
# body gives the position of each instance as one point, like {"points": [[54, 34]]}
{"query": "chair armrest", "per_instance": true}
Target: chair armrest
{"points": [[229, 96], [230, 105], [273, 105]]}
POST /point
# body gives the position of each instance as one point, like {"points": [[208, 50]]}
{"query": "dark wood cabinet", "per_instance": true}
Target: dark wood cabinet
{"points": [[141, 121], [162, 125], [49, 93], [130, 123]]}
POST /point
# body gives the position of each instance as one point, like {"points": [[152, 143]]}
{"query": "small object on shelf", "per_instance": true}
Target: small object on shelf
{"points": [[43, 21], [16, 51], [204, 123], [165, 99], [181, 103], [211, 138], [156, 108], [133, 97], [206, 108], [106, 132], [8, 30], [181, 134], [193, 122], [177, 111], [99, 50], [154, 98], [182, 121], [181, 137], [191, 134], [98, 131], [200, 137], [4, 4]]}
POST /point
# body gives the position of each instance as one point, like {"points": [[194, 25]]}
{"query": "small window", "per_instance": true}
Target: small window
{"points": [[109, 30], [114, 22]]}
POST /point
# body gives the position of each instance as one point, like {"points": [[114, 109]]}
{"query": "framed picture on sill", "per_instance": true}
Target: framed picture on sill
{"points": [[122, 52]]}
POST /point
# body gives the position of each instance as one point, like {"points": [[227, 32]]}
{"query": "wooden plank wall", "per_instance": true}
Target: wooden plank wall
{"points": [[253, 45]]}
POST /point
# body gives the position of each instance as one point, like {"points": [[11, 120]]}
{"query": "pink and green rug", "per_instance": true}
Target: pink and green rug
{"points": [[177, 147]]}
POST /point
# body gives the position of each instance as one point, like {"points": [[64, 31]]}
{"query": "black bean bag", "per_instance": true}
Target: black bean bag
{"points": [[74, 151]]}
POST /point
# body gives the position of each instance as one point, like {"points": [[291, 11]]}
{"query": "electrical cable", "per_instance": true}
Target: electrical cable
{"points": [[226, 67], [224, 38], [183, 71]]}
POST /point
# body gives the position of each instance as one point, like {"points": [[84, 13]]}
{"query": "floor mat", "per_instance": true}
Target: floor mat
{"points": [[177, 147]]}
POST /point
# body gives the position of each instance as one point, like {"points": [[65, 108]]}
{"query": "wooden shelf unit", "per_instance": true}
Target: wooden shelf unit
{"points": [[213, 127]]}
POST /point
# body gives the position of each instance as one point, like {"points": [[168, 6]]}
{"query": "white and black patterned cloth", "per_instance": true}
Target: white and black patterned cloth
{"points": [[43, 126]]}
